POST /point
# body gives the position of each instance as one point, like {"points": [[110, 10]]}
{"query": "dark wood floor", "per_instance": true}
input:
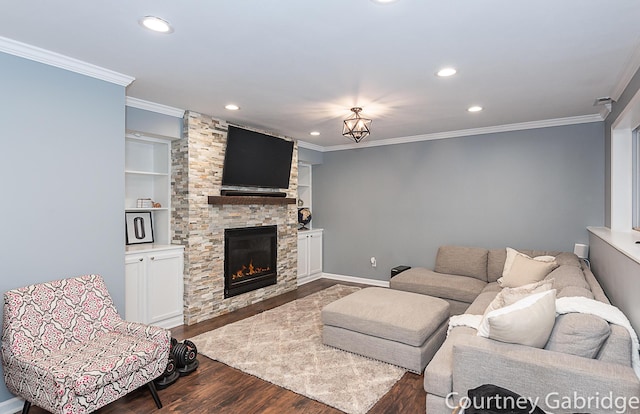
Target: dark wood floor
{"points": [[217, 388]]}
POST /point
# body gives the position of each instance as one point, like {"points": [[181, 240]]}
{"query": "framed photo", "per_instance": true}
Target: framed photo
{"points": [[138, 227]]}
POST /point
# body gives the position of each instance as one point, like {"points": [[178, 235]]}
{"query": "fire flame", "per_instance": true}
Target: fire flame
{"points": [[248, 271]]}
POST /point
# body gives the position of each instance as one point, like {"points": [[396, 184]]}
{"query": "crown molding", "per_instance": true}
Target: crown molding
{"points": [[154, 107], [310, 146], [47, 57], [630, 69], [584, 119]]}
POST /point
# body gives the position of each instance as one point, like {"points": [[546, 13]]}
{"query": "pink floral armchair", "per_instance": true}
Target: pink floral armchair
{"points": [[65, 349]]}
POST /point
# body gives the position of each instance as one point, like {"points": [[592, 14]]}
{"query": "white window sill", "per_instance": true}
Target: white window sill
{"points": [[622, 241]]}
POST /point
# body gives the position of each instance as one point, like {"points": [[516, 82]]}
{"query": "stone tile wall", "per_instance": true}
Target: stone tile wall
{"points": [[197, 161]]}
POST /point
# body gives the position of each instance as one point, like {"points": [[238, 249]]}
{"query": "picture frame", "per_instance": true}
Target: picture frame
{"points": [[138, 227]]}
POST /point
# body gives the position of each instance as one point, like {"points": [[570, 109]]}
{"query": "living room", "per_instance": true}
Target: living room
{"points": [[520, 184]]}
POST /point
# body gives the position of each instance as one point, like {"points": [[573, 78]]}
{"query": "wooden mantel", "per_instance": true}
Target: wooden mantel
{"points": [[248, 200]]}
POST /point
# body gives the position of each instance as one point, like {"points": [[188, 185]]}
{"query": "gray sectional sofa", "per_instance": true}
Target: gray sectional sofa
{"points": [[586, 365]]}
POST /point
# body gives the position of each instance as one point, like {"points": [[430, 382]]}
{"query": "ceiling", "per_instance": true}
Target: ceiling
{"points": [[297, 66]]}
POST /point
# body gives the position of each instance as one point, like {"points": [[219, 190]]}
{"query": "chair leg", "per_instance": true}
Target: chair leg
{"points": [[25, 407], [154, 394]]}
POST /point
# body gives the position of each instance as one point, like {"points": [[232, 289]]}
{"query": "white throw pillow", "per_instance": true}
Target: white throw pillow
{"points": [[525, 270], [511, 255], [528, 321]]}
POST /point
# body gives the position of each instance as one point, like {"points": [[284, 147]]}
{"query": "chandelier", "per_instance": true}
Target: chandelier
{"points": [[356, 127]]}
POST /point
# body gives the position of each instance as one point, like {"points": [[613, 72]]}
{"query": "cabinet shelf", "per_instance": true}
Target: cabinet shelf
{"points": [[148, 176]]}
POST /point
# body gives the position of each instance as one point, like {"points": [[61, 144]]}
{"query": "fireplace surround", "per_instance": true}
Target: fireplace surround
{"points": [[197, 224]]}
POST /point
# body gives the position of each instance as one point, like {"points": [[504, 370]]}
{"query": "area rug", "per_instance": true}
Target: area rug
{"points": [[284, 346]]}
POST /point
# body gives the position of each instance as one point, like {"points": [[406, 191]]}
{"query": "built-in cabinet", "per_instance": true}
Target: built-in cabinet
{"points": [[309, 255], [154, 285], [309, 241], [154, 272]]}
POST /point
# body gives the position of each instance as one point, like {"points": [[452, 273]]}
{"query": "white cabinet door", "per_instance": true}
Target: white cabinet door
{"points": [[303, 256], [164, 286], [154, 285], [134, 275], [315, 253], [309, 255]]}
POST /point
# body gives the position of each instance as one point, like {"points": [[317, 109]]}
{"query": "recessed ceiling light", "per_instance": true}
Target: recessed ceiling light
{"points": [[314, 133], [474, 109], [444, 72], [384, 1], [156, 24], [232, 107]]}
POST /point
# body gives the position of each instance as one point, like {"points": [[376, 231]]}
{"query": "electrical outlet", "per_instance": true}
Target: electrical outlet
{"points": [[373, 262]]}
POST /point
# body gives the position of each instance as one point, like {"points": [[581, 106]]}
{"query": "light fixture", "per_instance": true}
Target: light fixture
{"points": [[383, 1], [314, 133], [232, 107], [156, 24], [444, 72], [475, 109], [356, 127]]}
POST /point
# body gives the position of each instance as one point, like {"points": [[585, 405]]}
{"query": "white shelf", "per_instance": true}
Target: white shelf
{"points": [[304, 187], [147, 175]]}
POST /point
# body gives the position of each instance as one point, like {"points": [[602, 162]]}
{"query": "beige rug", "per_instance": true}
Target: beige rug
{"points": [[284, 346]]}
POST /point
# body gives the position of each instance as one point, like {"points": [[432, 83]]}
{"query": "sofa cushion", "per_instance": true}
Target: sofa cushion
{"points": [[567, 275], [528, 321], [463, 261], [568, 259], [427, 282], [481, 303], [578, 334], [495, 264], [492, 287], [569, 291], [525, 270], [438, 376], [617, 348]]}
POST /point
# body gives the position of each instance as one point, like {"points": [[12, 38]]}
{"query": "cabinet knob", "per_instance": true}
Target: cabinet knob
{"points": [[140, 259], [153, 258]]}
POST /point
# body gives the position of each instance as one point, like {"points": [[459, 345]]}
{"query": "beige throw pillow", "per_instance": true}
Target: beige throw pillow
{"points": [[525, 270], [528, 321], [511, 256]]}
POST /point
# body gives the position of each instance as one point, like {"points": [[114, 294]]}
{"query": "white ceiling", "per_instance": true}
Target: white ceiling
{"points": [[295, 66]]}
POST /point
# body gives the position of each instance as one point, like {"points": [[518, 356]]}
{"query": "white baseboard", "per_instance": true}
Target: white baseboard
{"points": [[353, 279], [306, 279], [14, 405]]}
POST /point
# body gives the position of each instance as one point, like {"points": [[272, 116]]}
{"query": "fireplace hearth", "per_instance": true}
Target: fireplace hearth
{"points": [[250, 259]]}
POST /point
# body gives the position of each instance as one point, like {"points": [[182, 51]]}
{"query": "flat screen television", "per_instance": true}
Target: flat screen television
{"points": [[253, 159]]}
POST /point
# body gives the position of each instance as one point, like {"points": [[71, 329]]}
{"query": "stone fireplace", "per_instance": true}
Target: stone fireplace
{"points": [[197, 162]]}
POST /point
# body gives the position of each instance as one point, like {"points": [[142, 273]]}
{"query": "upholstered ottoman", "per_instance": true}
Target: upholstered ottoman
{"points": [[401, 328]]}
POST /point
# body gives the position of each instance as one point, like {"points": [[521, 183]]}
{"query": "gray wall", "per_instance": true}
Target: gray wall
{"points": [[62, 164], [309, 156], [526, 189], [153, 123]]}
